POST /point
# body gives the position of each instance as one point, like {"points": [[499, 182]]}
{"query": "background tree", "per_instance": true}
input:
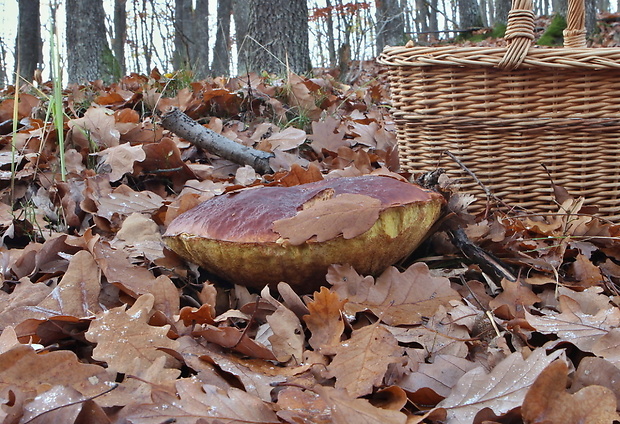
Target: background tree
{"points": [[3, 75], [88, 55], [29, 44], [390, 24], [191, 37], [470, 14], [241, 15], [279, 36], [221, 51], [120, 33], [182, 37]]}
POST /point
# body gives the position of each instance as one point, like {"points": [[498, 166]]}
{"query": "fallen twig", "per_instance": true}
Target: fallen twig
{"points": [[182, 125]]}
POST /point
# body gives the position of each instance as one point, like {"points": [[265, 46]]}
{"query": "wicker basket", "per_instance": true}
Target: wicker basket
{"points": [[505, 112]]}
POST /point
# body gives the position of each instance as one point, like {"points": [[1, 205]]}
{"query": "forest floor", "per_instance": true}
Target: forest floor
{"points": [[101, 323]]}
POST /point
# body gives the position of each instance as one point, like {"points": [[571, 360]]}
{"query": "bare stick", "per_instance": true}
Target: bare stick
{"points": [[184, 126]]}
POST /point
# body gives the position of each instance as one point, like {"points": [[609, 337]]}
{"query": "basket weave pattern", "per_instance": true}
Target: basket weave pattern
{"points": [[506, 111]]}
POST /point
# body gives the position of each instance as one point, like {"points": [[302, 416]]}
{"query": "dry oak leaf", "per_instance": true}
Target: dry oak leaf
{"points": [[257, 376], [327, 135], [136, 280], [303, 406], [77, 294], [96, 126], [575, 326], [22, 303], [548, 402], [236, 339], [121, 159], [288, 339], [608, 346], [396, 298], [140, 378], [194, 401], [346, 409], [501, 390], [141, 237], [346, 214], [123, 335], [513, 300], [439, 335], [597, 371], [325, 320], [440, 376], [60, 404], [22, 368], [123, 201], [362, 361], [288, 139]]}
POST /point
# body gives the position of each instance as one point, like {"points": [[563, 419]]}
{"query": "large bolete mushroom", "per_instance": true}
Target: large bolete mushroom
{"points": [[270, 234]]}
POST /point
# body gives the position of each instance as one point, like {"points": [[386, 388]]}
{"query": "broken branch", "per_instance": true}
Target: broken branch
{"points": [[184, 126]]}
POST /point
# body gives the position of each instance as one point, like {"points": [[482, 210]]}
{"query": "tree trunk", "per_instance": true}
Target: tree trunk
{"points": [[390, 24], [502, 7], [3, 77], [331, 41], [590, 9], [88, 54], [191, 37], [182, 13], [279, 36], [241, 14], [221, 51], [199, 47], [120, 33], [470, 15], [29, 44]]}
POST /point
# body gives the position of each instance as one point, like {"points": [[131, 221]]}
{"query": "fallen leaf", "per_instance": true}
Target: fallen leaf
{"points": [[361, 362], [327, 135], [124, 334], [121, 159], [289, 138], [77, 294], [574, 326], [97, 127], [346, 409], [59, 404], [194, 401], [396, 298], [287, 340], [346, 214], [440, 376], [515, 298], [21, 367], [325, 320], [548, 402], [501, 390]]}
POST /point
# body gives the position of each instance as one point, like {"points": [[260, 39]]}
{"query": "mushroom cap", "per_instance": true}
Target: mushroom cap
{"points": [[233, 235]]}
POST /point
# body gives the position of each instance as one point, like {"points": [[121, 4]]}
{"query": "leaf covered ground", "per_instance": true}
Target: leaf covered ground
{"points": [[102, 324]]}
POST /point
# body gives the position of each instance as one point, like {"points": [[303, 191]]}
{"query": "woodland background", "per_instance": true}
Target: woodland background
{"points": [[102, 324], [230, 37]]}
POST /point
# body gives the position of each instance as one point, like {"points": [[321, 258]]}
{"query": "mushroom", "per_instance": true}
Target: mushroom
{"points": [[266, 235]]}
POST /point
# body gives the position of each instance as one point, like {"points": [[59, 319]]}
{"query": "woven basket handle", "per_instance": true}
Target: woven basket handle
{"points": [[575, 32], [520, 30]]}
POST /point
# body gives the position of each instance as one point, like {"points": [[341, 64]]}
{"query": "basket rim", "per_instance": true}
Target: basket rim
{"points": [[480, 56]]}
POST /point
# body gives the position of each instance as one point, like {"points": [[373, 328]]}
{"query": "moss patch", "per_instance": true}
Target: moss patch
{"points": [[553, 36]]}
